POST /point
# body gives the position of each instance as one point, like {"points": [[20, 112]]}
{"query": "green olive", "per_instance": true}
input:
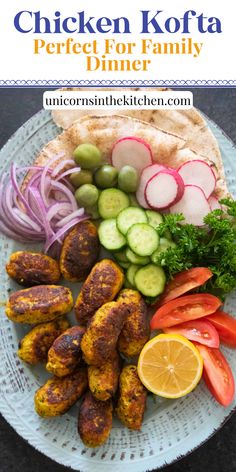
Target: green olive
{"points": [[128, 179], [80, 178], [106, 176], [87, 156], [87, 195]]}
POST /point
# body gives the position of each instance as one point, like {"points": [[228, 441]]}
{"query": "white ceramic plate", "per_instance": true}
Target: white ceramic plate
{"points": [[170, 430]]}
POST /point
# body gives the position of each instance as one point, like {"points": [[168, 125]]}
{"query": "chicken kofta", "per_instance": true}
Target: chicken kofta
{"points": [[103, 379], [132, 398], [33, 268], [65, 353], [39, 304], [135, 332], [99, 341], [102, 285], [95, 421], [57, 395], [33, 348], [79, 252]]}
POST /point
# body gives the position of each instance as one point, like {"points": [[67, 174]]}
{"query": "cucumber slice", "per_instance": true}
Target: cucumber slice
{"points": [[164, 245], [131, 274], [121, 256], [111, 202], [142, 239], [128, 217], [127, 284], [154, 218], [132, 257], [125, 265], [150, 280], [109, 235]]}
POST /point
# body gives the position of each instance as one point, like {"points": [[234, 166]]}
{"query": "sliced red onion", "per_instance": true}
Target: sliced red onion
{"points": [[70, 217], [68, 172], [62, 231], [19, 193], [45, 211], [69, 195], [57, 209], [62, 165]]}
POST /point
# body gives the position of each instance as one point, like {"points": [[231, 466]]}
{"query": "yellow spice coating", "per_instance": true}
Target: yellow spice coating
{"points": [[33, 268], [132, 398], [99, 341], [39, 304], [57, 395], [101, 286], [65, 353], [33, 348], [95, 421], [135, 332], [79, 252], [103, 380]]}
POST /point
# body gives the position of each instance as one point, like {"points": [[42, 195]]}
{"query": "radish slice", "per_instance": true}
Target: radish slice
{"points": [[214, 203], [164, 189], [146, 175], [131, 151], [193, 205], [198, 173]]}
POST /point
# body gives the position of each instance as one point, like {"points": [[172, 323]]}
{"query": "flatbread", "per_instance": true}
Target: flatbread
{"points": [[187, 124], [104, 130]]}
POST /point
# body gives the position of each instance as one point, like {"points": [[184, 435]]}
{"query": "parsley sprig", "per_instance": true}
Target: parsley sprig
{"points": [[212, 246]]}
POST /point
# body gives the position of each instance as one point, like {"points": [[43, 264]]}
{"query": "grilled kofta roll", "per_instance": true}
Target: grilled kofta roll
{"points": [[135, 332], [33, 268], [57, 395], [95, 421], [33, 348], [79, 252], [132, 398], [65, 353], [103, 379], [102, 285], [39, 304], [99, 341]]}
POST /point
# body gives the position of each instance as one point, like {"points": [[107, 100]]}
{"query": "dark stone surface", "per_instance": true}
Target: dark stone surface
{"points": [[219, 453]]}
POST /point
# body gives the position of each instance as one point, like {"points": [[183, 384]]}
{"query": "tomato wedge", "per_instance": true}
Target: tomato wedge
{"points": [[201, 331], [217, 374], [185, 281], [183, 309], [226, 327]]}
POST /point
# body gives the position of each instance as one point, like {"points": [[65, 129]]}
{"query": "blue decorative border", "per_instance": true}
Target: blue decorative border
{"points": [[117, 83]]}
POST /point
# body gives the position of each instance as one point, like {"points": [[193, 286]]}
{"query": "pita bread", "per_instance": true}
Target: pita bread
{"points": [[104, 130], [188, 124]]}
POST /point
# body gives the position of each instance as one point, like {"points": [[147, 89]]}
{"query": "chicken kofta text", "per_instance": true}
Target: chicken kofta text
{"points": [[99, 341], [57, 395], [33, 348], [95, 421], [135, 332], [79, 252], [132, 398], [102, 285], [39, 304], [33, 268], [65, 353]]}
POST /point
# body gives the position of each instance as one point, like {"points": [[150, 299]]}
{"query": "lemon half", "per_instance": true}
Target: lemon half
{"points": [[170, 366]]}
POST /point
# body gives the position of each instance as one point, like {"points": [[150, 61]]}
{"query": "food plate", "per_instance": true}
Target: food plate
{"points": [[171, 429]]}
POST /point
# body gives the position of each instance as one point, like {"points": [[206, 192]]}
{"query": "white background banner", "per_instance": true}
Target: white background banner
{"points": [[184, 54]]}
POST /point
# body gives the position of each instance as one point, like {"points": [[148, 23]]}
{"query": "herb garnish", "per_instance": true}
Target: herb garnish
{"points": [[213, 246]]}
